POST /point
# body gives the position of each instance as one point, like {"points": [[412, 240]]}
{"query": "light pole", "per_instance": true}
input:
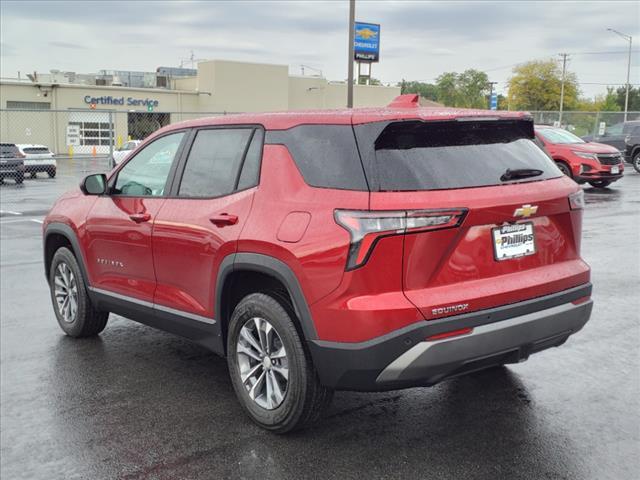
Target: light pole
{"points": [[352, 34], [629, 38], [564, 73]]}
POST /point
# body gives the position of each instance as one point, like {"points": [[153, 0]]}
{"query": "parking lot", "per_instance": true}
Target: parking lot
{"points": [[139, 403]]}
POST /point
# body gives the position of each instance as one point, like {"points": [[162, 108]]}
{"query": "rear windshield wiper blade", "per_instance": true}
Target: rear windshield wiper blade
{"points": [[520, 173]]}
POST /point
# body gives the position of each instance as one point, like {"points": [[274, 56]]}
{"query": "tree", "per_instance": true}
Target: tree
{"points": [[601, 103], [634, 98], [536, 85], [426, 90], [468, 89]]}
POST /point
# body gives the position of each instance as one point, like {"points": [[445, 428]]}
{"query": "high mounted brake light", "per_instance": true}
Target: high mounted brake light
{"points": [[367, 227]]}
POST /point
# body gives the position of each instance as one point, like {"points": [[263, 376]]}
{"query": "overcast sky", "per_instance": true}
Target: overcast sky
{"points": [[419, 39]]}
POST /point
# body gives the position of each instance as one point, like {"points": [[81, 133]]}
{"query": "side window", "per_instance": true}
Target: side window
{"points": [[250, 175], [146, 173], [213, 162]]}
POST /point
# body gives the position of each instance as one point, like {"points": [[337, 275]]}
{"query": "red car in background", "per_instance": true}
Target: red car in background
{"points": [[586, 162]]}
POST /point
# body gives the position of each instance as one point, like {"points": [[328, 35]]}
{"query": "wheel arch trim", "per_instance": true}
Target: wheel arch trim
{"points": [[265, 264], [67, 232]]}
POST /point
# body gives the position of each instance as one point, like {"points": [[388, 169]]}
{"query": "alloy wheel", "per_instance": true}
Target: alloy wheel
{"points": [[66, 292], [262, 363]]}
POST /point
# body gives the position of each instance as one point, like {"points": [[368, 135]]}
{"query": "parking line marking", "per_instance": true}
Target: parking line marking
{"points": [[10, 212]]}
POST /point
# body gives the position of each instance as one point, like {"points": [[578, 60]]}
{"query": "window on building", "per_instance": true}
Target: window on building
{"points": [[14, 104]]}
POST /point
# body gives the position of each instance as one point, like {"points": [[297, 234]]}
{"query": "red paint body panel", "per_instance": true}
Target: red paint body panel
{"points": [[188, 249], [118, 250], [319, 257]]}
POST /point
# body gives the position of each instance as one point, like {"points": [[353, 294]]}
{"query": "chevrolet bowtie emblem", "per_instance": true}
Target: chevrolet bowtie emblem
{"points": [[525, 211]]}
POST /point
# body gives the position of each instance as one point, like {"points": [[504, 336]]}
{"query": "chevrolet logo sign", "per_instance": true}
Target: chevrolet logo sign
{"points": [[525, 211]]}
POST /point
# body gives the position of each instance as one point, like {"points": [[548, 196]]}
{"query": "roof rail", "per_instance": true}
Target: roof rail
{"points": [[408, 100]]}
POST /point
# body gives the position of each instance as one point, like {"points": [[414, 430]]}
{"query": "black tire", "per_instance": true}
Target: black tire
{"points": [[564, 168], [34, 174], [19, 178], [304, 398], [52, 173], [636, 162], [87, 321], [600, 184]]}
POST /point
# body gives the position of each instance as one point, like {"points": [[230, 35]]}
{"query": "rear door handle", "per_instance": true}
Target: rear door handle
{"points": [[224, 219], [140, 217]]}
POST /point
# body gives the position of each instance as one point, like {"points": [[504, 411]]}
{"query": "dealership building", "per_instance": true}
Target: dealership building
{"points": [[109, 108]]}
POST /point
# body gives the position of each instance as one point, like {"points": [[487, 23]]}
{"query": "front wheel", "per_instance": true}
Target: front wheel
{"points": [[51, 173], [76, 314], [636, 162], [271, 372], [19, 178], [564, 168], [600, 184]]}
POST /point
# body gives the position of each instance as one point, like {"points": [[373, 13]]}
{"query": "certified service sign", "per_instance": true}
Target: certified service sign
{"points": [[367, 42]]}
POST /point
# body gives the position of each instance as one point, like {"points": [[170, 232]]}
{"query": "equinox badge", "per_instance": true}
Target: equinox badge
{"points": [[525, 211]]}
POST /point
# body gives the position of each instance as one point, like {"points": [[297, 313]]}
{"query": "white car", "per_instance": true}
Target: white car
{"points": [[38, 158], [123, 152]]}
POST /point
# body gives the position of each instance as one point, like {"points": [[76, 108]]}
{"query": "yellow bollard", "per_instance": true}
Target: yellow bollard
{"points": [[71, 152], [119, 141]]}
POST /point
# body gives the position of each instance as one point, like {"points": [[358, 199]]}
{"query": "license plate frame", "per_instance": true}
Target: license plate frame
{"points": [[510, 230], [615, 170]]}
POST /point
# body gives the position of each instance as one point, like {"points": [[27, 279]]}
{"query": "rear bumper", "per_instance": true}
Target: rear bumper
{"points": [[40, 167], [402, 359]]}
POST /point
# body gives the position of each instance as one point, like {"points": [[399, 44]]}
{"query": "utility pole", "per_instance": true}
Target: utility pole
{"points": [[352, 34], [564, 72], [629, 38]]}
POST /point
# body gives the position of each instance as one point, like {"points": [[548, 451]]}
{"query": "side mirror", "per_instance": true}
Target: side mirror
{"points": [[95, 184]]}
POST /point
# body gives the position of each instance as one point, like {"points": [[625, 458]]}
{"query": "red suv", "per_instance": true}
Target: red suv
{"points": [[586, 162], [366, 249]]}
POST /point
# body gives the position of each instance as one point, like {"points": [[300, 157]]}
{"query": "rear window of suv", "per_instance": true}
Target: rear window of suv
{"points": [[416, 155], [38, 150]]}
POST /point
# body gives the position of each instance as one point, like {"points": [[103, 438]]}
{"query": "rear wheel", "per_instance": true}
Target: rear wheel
{"points": [[636, 162], [19, 178], [34, 174], [565, 169], [51, 173], [600, 184], [271, 372], [76, 314]]}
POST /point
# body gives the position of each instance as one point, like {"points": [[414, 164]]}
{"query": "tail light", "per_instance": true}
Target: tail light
{"points": [[576, 200], [19, 154], [367, 227]]}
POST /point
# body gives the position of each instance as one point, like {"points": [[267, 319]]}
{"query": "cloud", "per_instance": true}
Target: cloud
{"points": [[73, 46], [419, 39]]}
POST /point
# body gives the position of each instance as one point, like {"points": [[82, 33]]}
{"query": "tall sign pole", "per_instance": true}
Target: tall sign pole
{"points": [[352, 21], [564, 70], [628, 38]]}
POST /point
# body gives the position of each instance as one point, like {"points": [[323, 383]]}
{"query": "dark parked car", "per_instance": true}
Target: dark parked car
{"points": [[364, 249], [614, 135], [632, 147], [11, 162]]}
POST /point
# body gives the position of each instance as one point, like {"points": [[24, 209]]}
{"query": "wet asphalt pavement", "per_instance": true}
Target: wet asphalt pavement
{"points": [[139, 403]]}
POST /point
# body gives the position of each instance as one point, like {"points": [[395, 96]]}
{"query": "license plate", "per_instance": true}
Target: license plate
{"points": [[615, 170], [511, 241]]}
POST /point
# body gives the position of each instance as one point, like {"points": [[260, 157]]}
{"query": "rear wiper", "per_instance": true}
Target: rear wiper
{"points": [[520, 173]]}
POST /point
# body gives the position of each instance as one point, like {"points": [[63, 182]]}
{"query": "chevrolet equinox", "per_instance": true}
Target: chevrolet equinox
{"points": [[366, 249]]}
